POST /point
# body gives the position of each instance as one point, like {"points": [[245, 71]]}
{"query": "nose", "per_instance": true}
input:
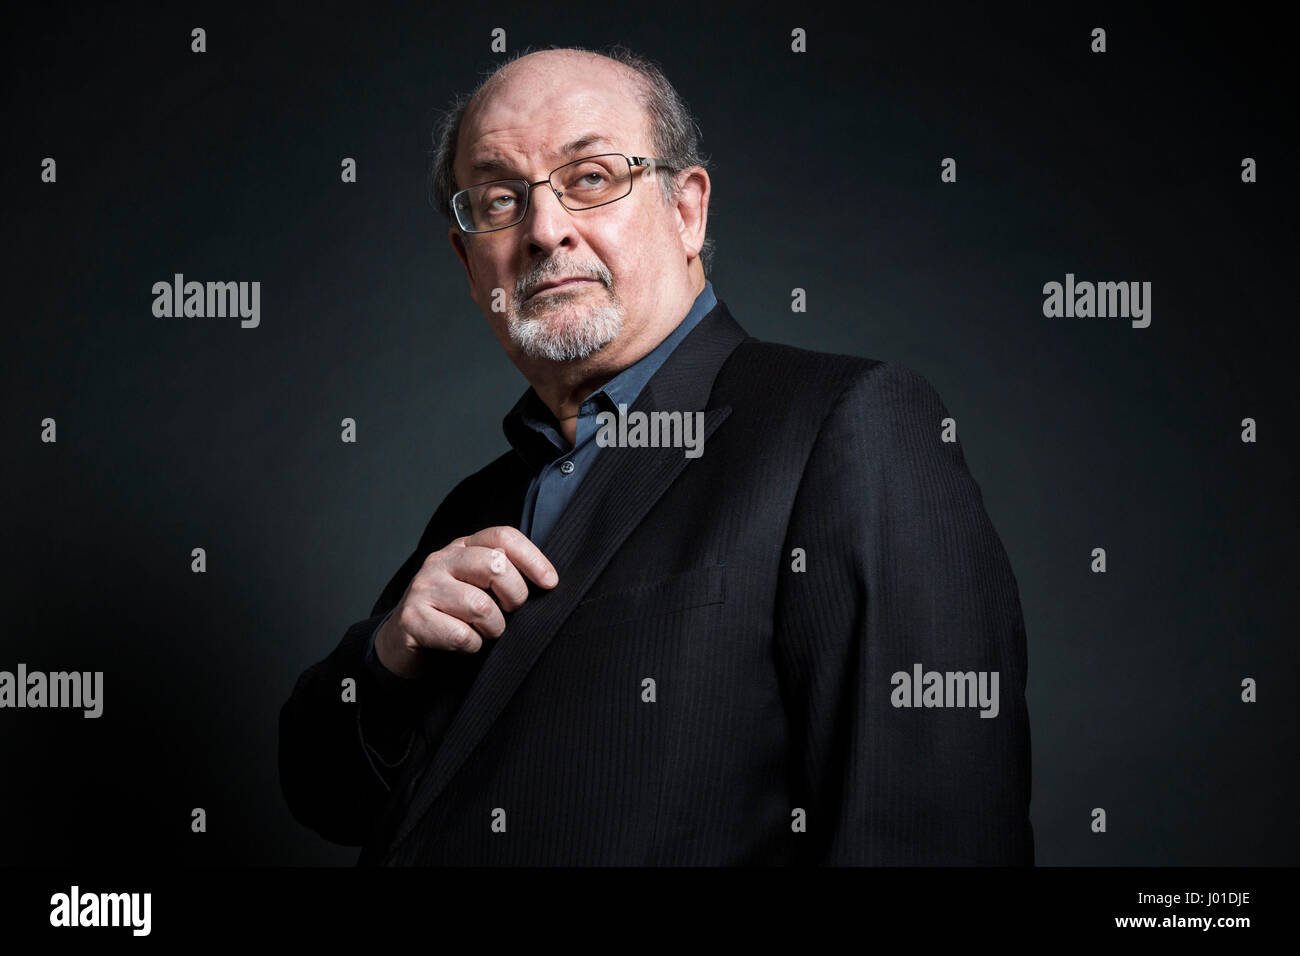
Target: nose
{"points": [[547, 223]]}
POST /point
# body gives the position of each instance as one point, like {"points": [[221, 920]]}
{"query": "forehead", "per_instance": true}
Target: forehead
{"points": [[535, 120]]}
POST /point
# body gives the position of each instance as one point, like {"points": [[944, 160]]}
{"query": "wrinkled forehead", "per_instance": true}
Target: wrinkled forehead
{"points": [[528, 125]]}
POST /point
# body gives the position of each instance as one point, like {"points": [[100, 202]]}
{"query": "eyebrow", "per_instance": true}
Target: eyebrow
{"points": [[493, 164]]}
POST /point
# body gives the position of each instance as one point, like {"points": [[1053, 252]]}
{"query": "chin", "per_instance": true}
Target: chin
{"points": [[569, 335]]}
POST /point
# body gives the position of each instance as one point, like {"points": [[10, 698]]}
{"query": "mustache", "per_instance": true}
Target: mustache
{"points": [[528, 283]]}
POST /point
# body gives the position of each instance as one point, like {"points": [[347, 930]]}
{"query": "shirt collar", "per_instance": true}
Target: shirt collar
{"points": [[532, 429]]}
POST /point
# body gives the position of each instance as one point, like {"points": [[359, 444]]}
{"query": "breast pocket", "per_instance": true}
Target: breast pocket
{"points": [[697, 587]]}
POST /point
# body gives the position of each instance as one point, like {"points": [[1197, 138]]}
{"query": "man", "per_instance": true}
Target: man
{"points": [[773, 626]]}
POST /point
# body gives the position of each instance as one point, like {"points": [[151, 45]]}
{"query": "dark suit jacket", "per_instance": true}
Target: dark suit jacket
{"points": [[771, 737]]}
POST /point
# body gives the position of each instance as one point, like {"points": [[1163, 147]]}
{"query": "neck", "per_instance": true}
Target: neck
{"points": [[563, 386]]}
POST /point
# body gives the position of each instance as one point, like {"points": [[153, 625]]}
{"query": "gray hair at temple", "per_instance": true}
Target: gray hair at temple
{"points": [[674, 132]]}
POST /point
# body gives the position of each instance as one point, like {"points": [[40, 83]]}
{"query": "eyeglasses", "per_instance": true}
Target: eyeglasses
{"points": [[581, 184]]}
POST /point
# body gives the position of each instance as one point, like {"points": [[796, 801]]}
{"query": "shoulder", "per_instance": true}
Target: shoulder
{"points": [[757, 360], [827, 383]]}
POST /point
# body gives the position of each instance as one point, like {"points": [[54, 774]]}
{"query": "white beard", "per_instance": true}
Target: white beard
{"points": [[552, 331]]}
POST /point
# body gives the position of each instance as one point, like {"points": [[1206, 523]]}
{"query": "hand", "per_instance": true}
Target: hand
{"points": [[447, 605]]}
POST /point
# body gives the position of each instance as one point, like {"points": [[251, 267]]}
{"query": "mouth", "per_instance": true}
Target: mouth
{"points": [[554, 284]]}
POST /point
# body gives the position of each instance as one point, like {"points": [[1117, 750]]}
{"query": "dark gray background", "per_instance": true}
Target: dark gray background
{"points": [[176, 433]]}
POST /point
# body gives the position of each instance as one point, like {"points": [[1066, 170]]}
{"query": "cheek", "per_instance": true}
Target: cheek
{"points": [[632, 249], [490, 274], [657, 225]]}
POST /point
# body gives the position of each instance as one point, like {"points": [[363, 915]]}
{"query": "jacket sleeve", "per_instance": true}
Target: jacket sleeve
{"points": [[905, 575]]}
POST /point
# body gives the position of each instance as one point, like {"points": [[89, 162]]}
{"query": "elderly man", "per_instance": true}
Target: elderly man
{"points": [[766, 622]]}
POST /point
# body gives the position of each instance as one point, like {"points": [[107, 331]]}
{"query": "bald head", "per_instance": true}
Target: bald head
{"points": [[547, 70], [673, 131]]}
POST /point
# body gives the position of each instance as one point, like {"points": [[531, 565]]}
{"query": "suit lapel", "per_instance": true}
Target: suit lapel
{"points": [[623, 484]]}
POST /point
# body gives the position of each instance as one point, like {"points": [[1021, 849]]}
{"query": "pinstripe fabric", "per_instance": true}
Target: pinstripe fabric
{"points": [[771, 686]]}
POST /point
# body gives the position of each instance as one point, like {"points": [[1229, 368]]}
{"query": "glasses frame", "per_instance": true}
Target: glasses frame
{"points": [[632, 162]]}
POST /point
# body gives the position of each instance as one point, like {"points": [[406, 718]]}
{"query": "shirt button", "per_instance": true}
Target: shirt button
{"points": [[567, 468]]}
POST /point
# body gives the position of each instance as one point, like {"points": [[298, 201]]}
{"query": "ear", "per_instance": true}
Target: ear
{"points": [[693, 208], [457, 240]]}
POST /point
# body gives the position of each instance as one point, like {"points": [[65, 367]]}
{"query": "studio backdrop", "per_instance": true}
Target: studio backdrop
{"points": [[1076, 223]]}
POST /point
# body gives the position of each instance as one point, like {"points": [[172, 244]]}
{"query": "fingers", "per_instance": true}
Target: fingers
{"points": [[489, 568], [448, 606], [432, 629], [523, 554], [465, 602]]}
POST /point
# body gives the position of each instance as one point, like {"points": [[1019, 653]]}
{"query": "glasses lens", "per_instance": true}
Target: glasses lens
{"points": [[592, 181], [491, 205]]}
